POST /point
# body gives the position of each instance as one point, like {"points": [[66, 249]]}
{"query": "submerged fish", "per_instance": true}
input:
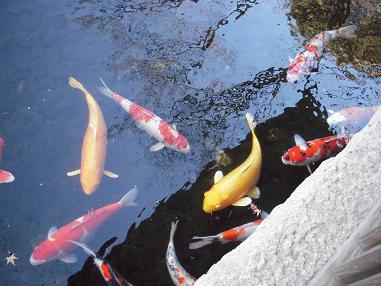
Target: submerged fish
{"points": [[239, 233], [231, 189], [81, 229], [162, 131], [305, 153], [94, 145], [5, 177], [109, 274], [352, 118], [178, 274], [307, 59]]}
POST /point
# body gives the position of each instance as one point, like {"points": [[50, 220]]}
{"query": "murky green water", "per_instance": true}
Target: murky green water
{"points": [[199, 64]]}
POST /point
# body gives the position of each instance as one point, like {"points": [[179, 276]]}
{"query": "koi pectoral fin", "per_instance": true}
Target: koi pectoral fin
{"points": [[70, 258], [158, 146], [242, 202], [74, 173], [110, 174], [254, 193], [309, 169]]}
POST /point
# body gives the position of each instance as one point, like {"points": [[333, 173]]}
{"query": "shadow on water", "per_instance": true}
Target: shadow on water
{"points": [[141, 257]]}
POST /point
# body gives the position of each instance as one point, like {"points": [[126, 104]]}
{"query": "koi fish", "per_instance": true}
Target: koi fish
{"points": [[307, 59], [80, 229], [352, 117], [94, 145], [179, 275], [162, 131], [109, 274], [305, 153], [238, 233], [231, 189], [5, 177]]}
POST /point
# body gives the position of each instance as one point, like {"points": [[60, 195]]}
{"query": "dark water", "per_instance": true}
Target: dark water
{"points": [[198, 64]]}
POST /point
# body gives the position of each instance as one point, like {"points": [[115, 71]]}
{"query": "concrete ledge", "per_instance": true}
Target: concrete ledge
{"points": [[300, 235]]}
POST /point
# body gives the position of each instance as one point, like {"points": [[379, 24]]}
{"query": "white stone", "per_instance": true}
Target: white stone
{"points": [[299, 236]]}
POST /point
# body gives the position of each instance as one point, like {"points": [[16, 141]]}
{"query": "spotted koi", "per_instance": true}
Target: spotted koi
{"points": [[179, 275], [5, 177], [166, 134], [305, 153], [308, 58]]}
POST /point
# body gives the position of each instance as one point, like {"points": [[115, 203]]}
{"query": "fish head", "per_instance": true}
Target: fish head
{"points": [[184, 147], [212, 201], [43, 253], [294, 156]]}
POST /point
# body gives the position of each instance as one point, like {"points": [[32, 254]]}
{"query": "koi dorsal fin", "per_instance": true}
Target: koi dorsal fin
{"points": [[218, 176], [51, 231], [299, 141]]}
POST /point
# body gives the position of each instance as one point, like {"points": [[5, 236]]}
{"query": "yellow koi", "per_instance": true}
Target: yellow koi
{"points": [[233, 188], [94, 145]]}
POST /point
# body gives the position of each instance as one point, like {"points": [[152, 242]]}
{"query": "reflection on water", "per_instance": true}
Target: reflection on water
{"points": [[199, 64]]}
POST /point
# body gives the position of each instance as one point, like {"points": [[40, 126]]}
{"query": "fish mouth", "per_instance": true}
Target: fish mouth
{"points": [[36, 262]]}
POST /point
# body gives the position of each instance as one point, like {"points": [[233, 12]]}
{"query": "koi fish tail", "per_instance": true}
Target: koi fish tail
{"points": [[173, 230], [129, 198], [105, 90], [250, 121], [76, 84], [347, 32], [84, 247], [204, 240]]}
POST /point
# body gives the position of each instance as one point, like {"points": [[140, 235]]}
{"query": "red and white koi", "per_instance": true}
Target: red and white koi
{"points": [[5, 177], [352, 117], [179, 275], [109, 274], [238, 233], [81, 229], [166, 134], [305, 153], [308, 58]]}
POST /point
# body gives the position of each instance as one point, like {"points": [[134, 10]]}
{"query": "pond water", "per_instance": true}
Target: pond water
{"points": [[199, 64]]}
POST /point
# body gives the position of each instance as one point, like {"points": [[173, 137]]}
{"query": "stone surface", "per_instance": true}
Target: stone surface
{"points": [[300, 235]]}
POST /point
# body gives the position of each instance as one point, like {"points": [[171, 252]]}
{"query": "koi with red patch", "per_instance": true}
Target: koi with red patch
{"points": [[179, 275], [305, 153], [308, 58], [80, 230], [109, 274], [166, 134], [238, 233], [5, 177]]}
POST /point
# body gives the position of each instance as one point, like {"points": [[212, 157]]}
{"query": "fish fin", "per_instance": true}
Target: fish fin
{"points": [[264, 214], [291, 60], [309, 169], [105, 90], [110, 174], [51, 231], [254, 193], [70, 258], [85, 248], [6, 177], [218, 176], [156, 147], [74, 173], [348, 31], [76, 84], [204, 240], [129, 198], [174, 126], [173, 230], [242, 202], [299, 141], [330, 111]]}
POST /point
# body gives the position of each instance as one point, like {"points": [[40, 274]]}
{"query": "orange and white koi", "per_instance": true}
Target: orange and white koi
{"points": [[109, 274], [353, 117], [166, 134], [94, 145], [5, 177], [238, 233], [80, 229], [239, 186], [307, 59], [305, 153], [179, 275]]}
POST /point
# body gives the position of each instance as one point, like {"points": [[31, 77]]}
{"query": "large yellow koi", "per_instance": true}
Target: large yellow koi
{"points": [[231, 189], [94, 145]]}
